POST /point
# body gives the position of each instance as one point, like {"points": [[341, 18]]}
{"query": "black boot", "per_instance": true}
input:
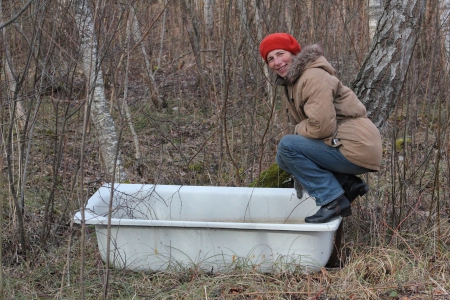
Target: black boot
{"points": [[354, 187], [338, 207]]}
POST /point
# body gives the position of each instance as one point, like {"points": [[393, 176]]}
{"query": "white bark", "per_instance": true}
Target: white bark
{"points": [[208, 16], [17, 106], [445, 25], [163, 30], [380, 80], [8, 142], [101, 117], [375, 10], [19, 111], [125, 108], [136, 34]]}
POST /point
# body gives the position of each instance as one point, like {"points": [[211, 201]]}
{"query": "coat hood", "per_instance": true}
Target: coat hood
{"points": [[310, 57]]}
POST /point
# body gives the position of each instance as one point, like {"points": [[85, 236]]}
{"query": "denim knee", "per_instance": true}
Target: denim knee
{"points": [[282, 147], [285, 143]]}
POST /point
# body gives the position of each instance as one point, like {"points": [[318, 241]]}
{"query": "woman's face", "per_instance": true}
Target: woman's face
{"points": [[279, 60]]}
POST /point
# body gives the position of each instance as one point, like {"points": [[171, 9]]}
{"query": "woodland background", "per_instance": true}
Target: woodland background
{"points": [[175, 92]]}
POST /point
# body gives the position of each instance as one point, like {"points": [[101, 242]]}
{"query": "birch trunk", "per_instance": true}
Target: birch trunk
{"points": [[125, 109], [137, 37], [208, 16], [17, 106], [375, 10], [101, 117], [444, 15], [8, 132], [381, 77]]}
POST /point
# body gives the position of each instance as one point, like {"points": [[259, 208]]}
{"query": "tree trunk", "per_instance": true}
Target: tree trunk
{"points": [[125, 109], [137, 36], [375, 10], [101, 117], [17, 107], [8, 132], [258, 22], [193, 32], [445, 23], [208, 16], [2, 200], [381, 77]]}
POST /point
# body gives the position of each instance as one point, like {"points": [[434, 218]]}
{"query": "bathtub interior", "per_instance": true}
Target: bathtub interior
{"points": [[202, 204]]}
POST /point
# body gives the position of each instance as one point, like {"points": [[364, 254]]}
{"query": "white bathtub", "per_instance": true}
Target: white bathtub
{"points": [[156, 227]]}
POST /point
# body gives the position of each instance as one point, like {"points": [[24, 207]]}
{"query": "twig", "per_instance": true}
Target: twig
{"points": [[398, 234], [318, 294], [414, 209], [440, 286], [16, 16]]}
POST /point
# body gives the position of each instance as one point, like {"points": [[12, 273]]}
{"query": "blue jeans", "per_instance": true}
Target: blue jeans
{"points": [[320, 169]]}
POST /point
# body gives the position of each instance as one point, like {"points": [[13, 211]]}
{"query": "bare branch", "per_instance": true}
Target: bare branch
{"points": [[16, 16]]}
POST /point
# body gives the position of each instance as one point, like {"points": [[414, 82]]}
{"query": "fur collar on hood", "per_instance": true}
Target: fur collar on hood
{"points": [[308, 54]]}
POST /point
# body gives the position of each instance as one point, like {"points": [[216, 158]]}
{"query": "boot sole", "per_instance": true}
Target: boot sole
{"points": [[346, 213], [363, 191], [360, 193]]}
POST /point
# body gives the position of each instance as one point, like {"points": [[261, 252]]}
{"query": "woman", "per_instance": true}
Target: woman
{"points": [[333, 139]]}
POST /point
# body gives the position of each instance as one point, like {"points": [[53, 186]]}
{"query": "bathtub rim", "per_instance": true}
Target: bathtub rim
{"points": [[93, 219]]}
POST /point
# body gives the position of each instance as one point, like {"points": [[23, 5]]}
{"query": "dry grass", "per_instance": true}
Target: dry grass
{"points": [[408, 267]]}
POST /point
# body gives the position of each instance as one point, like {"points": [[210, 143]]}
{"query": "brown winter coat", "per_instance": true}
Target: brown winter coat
{"points": [[321, 107]]}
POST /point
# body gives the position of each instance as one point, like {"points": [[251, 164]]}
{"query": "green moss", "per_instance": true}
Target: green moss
{"points": [[273, 177], [400, 143], [196, 167]]}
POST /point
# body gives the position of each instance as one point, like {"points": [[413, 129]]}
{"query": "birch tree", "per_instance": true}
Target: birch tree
{"points": [[101, 117], [445, 25], [125, 108], [136, 34], [15, 78], [17, 106], [11, 79], [208, 17], [375, 10], [381, 77]]}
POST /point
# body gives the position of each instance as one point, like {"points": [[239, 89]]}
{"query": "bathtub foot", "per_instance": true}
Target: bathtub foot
{"points": [[335, 257]]}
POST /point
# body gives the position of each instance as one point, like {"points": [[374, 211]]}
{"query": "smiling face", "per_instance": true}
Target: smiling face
{"points": [[279, 60]]}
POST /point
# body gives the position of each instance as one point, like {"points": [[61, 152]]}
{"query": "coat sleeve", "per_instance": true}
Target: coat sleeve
{"points": [[317, 95]]}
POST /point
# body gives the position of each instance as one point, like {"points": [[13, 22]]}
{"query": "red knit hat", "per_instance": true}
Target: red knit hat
{"points": [[275, 41]]}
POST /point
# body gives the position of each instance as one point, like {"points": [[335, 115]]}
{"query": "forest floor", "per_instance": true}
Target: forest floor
{"points": [[377, 261]]}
